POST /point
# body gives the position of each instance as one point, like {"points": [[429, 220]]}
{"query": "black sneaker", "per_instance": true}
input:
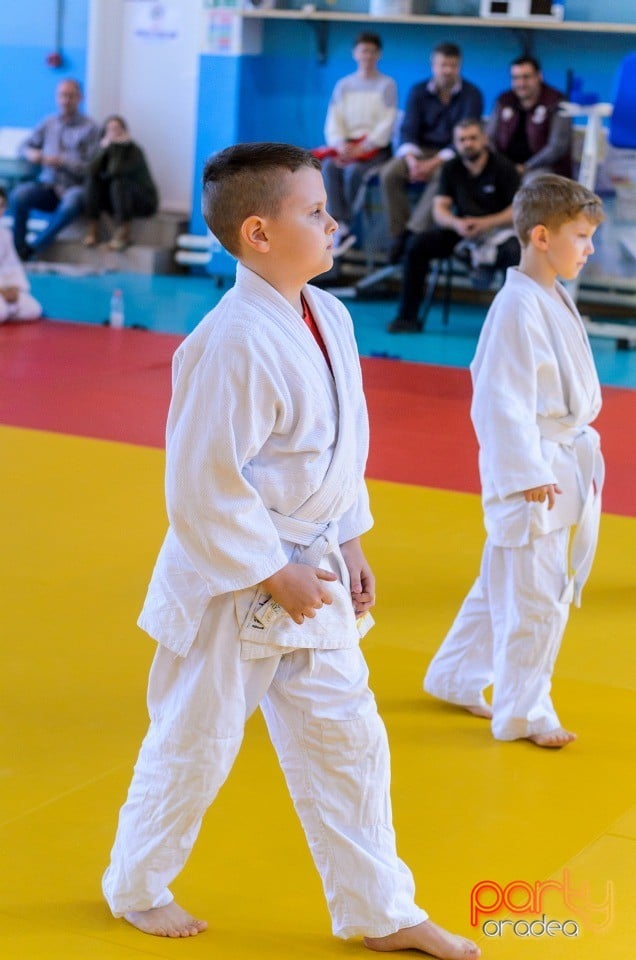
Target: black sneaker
{"points": [[400, 325], [25, 252]]}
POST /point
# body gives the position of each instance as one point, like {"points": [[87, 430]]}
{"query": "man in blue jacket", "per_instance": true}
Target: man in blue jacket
{"points": [[433, 109]]}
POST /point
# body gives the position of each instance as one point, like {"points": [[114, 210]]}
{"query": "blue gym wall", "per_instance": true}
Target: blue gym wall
{"points": [[283, 93], [27, 36]]}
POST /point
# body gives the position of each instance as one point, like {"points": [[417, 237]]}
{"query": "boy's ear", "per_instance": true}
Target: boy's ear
{"points": [[254, 234], [540, 236]]}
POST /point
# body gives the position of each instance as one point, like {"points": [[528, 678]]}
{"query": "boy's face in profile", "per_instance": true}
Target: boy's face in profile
{"points": [[569, 246], [301, 234], [366, 55], [445, 71], [68, 98]]}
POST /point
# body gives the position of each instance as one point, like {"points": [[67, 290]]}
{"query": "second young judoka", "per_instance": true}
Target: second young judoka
{"points": [[535, 394]]}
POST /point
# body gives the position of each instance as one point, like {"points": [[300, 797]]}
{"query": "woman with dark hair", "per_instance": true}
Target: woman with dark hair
{"points": [[119, 183]]}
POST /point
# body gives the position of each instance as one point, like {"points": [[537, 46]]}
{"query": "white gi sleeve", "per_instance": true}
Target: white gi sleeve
{"points": [[504, 406], [223, 410]]}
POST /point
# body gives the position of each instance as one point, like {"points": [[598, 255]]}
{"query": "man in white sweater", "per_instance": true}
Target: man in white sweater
{"points": [[358, 131]]}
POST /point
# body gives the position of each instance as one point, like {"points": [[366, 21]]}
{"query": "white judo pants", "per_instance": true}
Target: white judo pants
{"points": [[508, 633], [332, 746]]}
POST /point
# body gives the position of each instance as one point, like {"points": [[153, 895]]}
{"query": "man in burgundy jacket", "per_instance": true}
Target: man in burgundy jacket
{"points": [[526, 125]]}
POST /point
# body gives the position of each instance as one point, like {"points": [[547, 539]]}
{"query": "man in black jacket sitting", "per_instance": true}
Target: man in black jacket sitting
{"points": [[473, 207]]}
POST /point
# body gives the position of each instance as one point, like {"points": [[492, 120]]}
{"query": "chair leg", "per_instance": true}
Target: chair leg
{"points": [[431, 285], [360, 209], [448, 291]]}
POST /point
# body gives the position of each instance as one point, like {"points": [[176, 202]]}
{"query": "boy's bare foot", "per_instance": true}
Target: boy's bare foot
{"points": [[429, 938], [168, 921], [480, 710], [554, 738]]}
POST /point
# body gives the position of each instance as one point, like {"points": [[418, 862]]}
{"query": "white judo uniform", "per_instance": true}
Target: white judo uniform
{"points": [[12, 274], [266, 452], [535, 392]]}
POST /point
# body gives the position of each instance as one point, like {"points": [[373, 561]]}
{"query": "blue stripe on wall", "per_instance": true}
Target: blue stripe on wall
{"points": [[27, 36], [217, 119], [289, 87], [283, 93], [27, 101]]}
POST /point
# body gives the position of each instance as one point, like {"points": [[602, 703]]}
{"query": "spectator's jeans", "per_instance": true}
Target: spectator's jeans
{"points": [[397, 190], [42, 196], [344, 183]]}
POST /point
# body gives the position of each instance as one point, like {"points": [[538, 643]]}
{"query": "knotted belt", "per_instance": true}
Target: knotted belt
{"points": [[586, 444], [317, 539]]}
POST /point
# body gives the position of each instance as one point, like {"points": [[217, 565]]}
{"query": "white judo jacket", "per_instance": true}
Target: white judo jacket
{"points": [[535, 392], [12, 272], [265, 456]]}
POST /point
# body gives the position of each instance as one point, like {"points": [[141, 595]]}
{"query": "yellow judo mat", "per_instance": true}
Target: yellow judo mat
{"points": [[483, 825]]}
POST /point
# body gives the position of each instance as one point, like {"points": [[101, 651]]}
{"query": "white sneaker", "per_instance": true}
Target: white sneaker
{"points": [[342, 243]]}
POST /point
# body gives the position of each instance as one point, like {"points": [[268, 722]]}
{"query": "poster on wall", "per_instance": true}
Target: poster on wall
{"points": [[226, 33], [156, 21]]}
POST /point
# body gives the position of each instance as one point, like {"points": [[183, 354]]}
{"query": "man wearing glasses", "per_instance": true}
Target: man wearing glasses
{"points": [[526, 125]]}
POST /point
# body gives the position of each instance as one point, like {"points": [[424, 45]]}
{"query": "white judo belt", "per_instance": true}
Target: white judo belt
{"points": [[266, 618], [318, 539], [587, 445]]}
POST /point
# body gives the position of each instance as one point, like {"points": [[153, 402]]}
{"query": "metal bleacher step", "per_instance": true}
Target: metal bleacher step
{"points": [[152, 249], [137, 258]]}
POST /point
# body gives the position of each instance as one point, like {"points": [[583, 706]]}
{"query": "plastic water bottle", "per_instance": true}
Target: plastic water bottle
{"points": [[116, 317]]}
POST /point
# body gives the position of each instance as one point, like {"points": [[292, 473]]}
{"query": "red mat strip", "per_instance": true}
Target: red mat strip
{"points": [[115, 385]]}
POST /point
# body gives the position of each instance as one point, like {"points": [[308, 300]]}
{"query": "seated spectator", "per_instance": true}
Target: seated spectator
{"points": [[119, 183], [473, 208], [433, 108], [16, 302], [62, 144], [526, 125], [358, 131]]}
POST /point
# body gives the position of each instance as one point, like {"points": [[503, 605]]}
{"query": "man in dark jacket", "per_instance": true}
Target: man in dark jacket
{"points": [[526, 125], [433, 109], [119, 183]]}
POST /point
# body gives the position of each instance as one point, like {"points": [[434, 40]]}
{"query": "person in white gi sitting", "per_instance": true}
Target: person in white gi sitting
{"points": [[16, 302], [261, 590], [535, 393]]}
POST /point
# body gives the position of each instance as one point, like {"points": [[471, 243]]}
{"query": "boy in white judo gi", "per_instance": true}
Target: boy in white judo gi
{"points": [[535, 393], [16, 301], [257, 589]]}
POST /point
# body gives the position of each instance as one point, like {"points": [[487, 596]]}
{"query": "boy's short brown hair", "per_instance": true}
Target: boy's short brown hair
{"points": [[367, 37], [450, 50], [551, 200], [247, 180]]}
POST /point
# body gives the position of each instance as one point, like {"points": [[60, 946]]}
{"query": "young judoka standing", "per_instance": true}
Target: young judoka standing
{"points": [[266, 448], [535, 393]]}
